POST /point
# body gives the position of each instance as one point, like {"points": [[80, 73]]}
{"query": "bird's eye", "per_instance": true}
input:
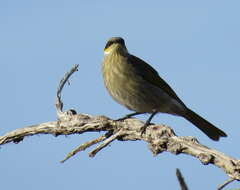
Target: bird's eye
{"points": [[109, 43]]}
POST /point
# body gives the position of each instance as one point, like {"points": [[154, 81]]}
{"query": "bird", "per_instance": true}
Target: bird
{"points": [[136, 85]]}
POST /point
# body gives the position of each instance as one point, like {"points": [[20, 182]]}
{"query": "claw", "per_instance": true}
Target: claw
{"points": [[144, 127]]}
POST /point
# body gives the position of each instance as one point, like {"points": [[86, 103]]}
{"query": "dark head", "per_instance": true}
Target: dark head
{"points": [[115, 44]]}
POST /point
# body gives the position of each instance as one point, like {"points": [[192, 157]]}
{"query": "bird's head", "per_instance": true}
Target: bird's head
{"points": [[115, 45]]}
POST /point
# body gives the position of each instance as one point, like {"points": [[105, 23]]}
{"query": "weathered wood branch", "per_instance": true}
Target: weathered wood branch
{"points": [[160, 138]]}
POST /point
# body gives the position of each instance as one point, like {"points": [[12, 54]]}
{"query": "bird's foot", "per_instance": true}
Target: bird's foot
{"points": [[143, 128], [148, 122]]}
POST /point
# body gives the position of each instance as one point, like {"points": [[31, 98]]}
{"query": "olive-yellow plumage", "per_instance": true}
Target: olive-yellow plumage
{"points": [[136, 85]]}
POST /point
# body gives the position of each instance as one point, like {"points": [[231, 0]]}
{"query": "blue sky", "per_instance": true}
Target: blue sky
{"points": [[194, 45]]}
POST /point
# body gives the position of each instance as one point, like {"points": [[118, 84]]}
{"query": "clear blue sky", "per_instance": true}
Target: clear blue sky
{"points": [[194, 45]]}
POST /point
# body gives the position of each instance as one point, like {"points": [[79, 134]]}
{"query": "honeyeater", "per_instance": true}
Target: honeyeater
{"points": [[136, 85]]}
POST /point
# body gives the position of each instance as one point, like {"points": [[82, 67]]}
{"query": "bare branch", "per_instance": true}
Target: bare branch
{"points": [[105, 143], [225, 183], [59, 103], [160, 138], [85, 146], [181, 180]]}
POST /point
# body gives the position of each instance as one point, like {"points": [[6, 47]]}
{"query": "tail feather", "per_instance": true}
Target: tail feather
{"points": [[206, 127]]}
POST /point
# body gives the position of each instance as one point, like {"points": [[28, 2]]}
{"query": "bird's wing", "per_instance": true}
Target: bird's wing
{"points": [[151, 75]]}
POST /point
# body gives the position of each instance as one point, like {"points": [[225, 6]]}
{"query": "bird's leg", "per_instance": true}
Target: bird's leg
{"points": [[144, 127], [129, 115]]}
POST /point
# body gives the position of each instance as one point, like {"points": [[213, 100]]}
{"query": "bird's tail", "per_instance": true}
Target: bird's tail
{"points": [[206, 127]]}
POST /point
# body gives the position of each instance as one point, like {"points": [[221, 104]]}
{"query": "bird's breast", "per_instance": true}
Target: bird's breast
{"points": [[128, 88]]}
